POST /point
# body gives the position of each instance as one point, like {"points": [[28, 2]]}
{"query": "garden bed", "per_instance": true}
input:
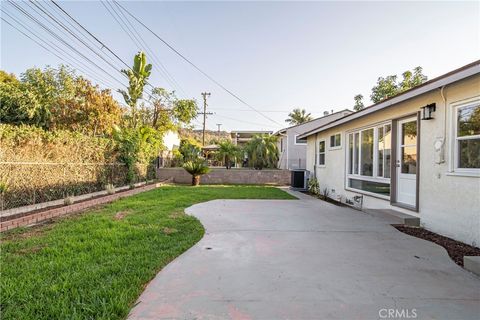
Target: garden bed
{"points": [[456, 249]]}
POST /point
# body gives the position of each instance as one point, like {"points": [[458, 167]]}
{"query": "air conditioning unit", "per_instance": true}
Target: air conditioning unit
{"points": [[299, 180]]}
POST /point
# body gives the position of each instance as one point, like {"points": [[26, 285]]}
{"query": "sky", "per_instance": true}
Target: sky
{"points": [[275, 56]]}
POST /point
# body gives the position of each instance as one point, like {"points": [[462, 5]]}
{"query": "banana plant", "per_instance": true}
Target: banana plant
{"points": [[137, 78]]}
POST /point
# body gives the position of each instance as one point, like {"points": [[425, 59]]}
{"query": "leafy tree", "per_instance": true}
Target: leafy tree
{"points": [[298, 116], [388, 87], [57, 99], [358, 102], [18, 105], [190, 149], [228, 152], [196, 168], [137, 78], [385, 88], [166, 111], [262, 151], [411, 80]]}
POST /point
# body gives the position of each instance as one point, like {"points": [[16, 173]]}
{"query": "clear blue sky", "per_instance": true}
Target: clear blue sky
{"points": [[276, 55]]}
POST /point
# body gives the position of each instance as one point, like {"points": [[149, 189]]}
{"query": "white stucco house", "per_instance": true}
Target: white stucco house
{"points": [[417, 153], [292, 150]]}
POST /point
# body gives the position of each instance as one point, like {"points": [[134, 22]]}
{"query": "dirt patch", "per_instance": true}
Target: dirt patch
{"points": [[30, 250], [456, 249], [177, 214], [120, 215], [167, 230], [23, 233]]}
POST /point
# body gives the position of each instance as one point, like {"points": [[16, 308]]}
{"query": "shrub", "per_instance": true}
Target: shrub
{"points": [[313, 186]]}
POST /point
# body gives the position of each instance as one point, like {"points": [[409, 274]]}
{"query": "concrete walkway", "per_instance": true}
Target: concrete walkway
{"points": [[306, 259]]}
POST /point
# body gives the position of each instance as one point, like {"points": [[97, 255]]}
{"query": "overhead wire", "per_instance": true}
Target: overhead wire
{"points": [[161, 68], [195, 66]]}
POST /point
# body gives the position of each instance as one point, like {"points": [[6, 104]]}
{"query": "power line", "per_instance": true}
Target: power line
{"points": [[103, 46], [59, 38], [162, 68], [46, 46], [193, 65], [244, 121]]}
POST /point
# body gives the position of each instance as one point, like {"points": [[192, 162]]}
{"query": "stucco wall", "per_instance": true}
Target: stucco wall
{"points": [[449, 204], [294, 155], [232, 176]]}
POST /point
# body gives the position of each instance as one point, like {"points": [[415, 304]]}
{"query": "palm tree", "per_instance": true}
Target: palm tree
{"points": [[227, 152], [196, 168], [298, 116], [262, 151]]}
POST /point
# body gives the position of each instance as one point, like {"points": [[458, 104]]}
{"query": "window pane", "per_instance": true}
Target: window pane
{"points": [[374, 187], [469, 153], [338, 140], [409, 133], [321, 146], [332, 141], [366, 162], [468, 120], [321, 159], [387, 138], [350, 153], [409, 160], [380, 147], [355, 153]]}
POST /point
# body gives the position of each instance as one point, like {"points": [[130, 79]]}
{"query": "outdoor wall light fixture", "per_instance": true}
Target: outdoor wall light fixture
{"points": [[428, 110]]}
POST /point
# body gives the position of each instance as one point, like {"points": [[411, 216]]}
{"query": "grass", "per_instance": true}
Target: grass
{"points": [[95, 265]]}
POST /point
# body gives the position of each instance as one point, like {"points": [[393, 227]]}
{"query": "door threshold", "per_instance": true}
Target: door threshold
{"points": [[404, 206]]}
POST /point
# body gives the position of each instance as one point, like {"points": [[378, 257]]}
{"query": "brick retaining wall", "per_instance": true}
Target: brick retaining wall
{"points": [[232, 176], [73, 208]]}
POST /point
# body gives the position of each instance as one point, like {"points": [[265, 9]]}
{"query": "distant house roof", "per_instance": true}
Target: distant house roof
{"points": [[210, 147], [281, 131], [438, 82]]}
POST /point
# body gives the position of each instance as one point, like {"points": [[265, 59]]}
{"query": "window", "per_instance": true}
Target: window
{"points": [[467, 137], [300, 141], [321, 153], [368, 159], [336, 141], [384, 143]]}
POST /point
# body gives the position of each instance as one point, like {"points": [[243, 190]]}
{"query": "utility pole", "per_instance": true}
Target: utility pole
{"points": [[218, 125], [205, 95]]}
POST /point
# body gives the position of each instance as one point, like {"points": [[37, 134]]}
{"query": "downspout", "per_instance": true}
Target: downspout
{"points": [[442, 152]]}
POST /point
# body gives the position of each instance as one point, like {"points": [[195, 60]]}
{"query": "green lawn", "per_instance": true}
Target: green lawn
{"points": [[95, 265]]}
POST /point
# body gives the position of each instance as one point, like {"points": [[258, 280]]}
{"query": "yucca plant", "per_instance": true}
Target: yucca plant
{"points": [[196, 168]]}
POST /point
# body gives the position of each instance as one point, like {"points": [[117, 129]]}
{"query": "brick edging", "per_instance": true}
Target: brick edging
{"points": [[73, 208]]}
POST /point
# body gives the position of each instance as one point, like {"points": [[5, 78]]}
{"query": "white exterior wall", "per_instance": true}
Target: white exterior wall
{"points": [[449, 204], [294, 155]]}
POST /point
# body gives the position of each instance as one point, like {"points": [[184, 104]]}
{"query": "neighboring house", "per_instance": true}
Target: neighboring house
{"points": [[240, 138], [171, 141], [293, 151], [393, 156]]}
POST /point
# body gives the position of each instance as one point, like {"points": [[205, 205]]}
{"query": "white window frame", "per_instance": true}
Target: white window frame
{"points": [[358, 176], [299, 144], [324, 153], [454, 139], [330, 141]]}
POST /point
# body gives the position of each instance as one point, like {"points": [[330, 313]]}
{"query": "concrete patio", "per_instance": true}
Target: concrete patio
{"points": [[287, 259]]}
